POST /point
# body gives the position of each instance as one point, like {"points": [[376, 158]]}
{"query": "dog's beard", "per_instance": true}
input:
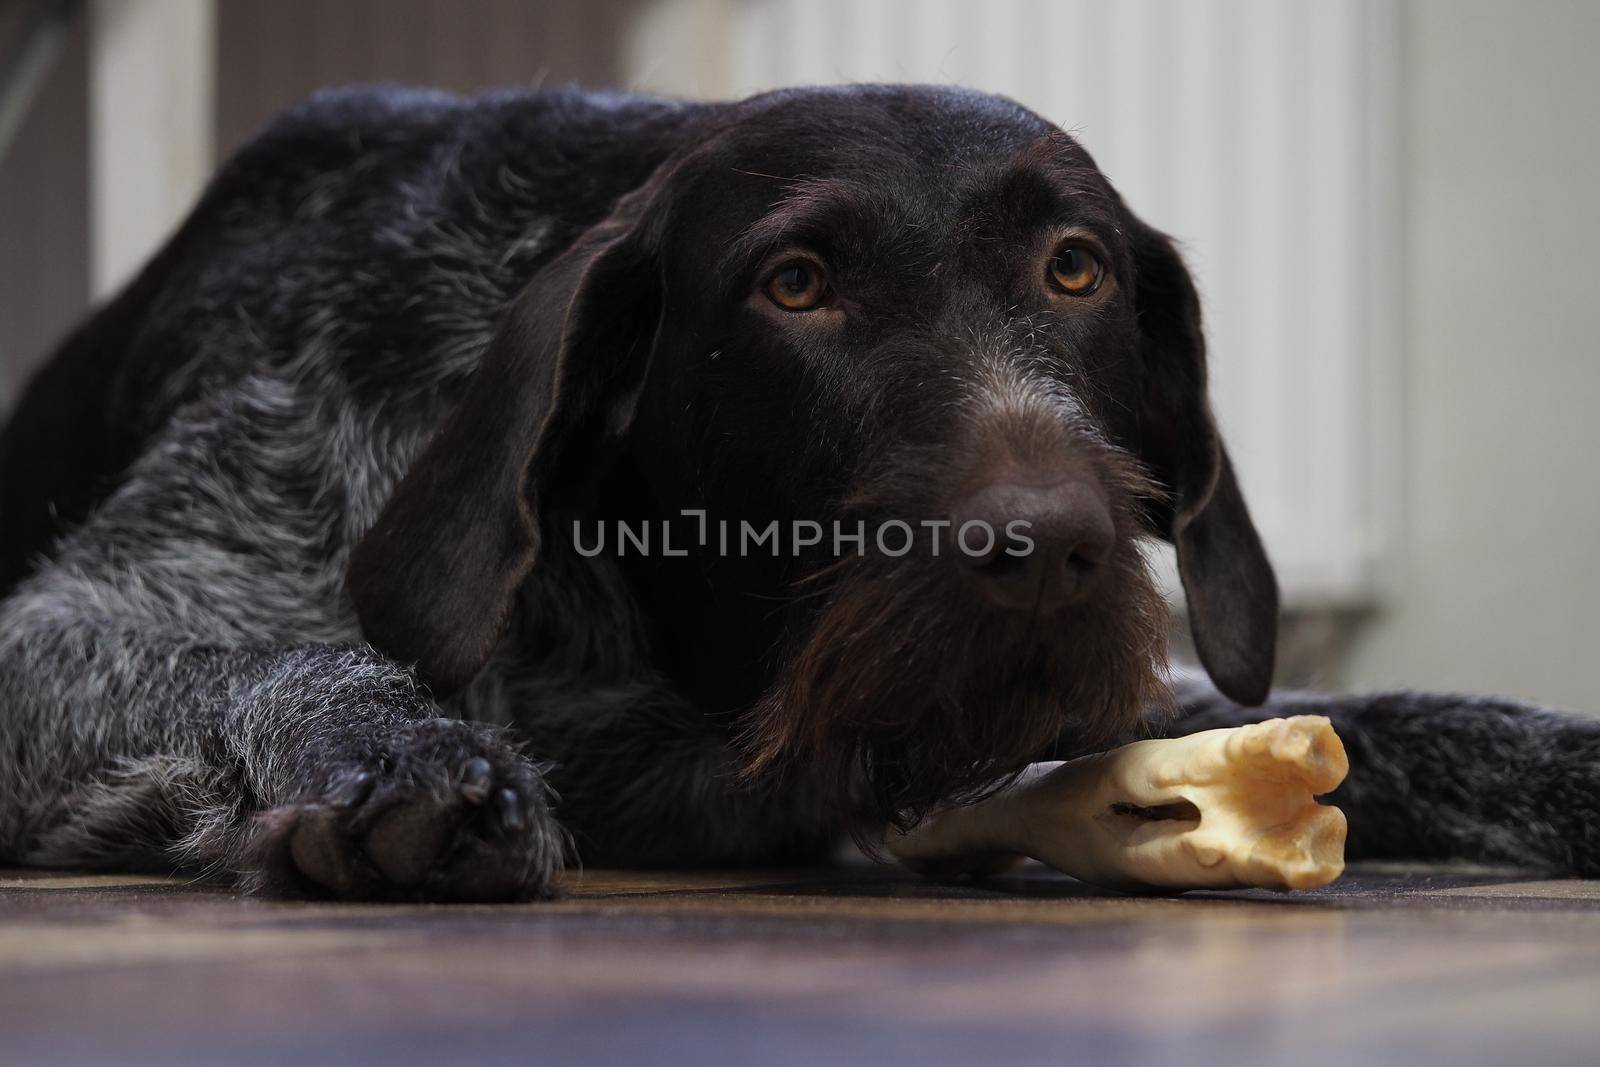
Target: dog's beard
{"points": [[901, 697]]}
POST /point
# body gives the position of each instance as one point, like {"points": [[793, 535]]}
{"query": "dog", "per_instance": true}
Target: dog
{"points": [[307, 579]]}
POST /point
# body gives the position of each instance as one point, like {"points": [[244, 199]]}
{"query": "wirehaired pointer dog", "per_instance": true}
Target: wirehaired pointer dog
{"points": [[296, 534]]}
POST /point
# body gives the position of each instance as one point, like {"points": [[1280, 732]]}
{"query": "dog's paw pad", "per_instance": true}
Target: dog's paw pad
{"points": [[405, 842], [319, 852]]}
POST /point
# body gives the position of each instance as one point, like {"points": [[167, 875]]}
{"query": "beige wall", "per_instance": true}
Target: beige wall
{"points": [[271, 53], [44, 205], [1498, 579]]}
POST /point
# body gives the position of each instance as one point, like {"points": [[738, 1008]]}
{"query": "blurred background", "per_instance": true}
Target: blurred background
{"points": [[1391, 206]]}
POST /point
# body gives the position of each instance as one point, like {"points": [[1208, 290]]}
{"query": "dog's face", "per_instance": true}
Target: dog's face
{"points": [[922, 311]]}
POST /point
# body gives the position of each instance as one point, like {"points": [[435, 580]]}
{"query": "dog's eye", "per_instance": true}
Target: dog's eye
{"points": [[1075, 270], [797, 286]]}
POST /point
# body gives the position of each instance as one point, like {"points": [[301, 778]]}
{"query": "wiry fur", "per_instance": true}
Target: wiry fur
{"points": [[185, 681], [873, 700]]}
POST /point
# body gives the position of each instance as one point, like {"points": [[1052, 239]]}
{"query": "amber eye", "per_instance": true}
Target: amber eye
{"points": [[1076, 270], [797, 286]]}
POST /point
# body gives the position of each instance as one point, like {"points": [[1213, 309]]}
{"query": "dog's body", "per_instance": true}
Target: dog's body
{"points": [[334, 438]]}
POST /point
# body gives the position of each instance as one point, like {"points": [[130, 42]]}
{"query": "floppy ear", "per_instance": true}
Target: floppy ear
{"points": [[435, 579], [1232, 594]]}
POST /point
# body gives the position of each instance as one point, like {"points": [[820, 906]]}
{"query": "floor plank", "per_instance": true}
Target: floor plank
{"points": [[856, 964]]}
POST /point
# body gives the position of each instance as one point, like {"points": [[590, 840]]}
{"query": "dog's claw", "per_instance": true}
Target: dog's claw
{"points": [[354, 789], [475, 780], [509, 807]]}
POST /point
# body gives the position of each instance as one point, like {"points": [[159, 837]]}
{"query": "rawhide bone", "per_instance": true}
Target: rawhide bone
{"points": [[1218, 809]]}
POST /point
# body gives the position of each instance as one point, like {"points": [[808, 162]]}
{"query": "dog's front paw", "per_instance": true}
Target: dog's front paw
{"points": [[447, 812]]}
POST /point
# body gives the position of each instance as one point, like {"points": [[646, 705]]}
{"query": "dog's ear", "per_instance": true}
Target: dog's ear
{"points": [[1232, 594], [435, 579]]}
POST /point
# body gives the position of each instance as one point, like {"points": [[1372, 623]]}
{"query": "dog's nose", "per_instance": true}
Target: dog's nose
{"points": [[1071, 533]]}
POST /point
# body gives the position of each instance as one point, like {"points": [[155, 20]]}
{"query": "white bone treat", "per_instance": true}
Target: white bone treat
{"points": [[1219, 809]]}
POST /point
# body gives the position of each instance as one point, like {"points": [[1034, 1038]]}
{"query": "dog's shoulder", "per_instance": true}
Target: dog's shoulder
{"points": [[393, 221]]}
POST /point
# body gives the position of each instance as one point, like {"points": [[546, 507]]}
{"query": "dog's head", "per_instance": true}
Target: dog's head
{"points": [[923, 311]]}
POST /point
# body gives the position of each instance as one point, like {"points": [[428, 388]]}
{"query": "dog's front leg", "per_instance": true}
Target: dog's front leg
{"points": [[317, 769], [368, 791], [647, 780]]}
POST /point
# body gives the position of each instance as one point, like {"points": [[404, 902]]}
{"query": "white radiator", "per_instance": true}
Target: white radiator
{"points": [[1261, 133]]}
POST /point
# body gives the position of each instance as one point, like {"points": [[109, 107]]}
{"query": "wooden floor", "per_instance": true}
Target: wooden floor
{"points": [[853, 965]]}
